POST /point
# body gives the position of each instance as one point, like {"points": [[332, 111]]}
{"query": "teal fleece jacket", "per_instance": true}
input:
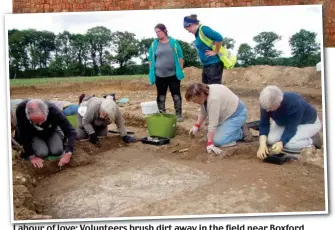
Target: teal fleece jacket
{"points": [[178, 53]]}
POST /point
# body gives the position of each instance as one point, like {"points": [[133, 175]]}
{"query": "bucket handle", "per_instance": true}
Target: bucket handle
{"points": [[161, 113]]}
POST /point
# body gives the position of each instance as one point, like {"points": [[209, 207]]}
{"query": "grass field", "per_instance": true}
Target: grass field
{"points": [[40, 81]]}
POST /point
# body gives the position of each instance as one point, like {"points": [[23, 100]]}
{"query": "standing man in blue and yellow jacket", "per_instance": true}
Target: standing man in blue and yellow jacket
{"points": [[166, 69], [213, 55]]}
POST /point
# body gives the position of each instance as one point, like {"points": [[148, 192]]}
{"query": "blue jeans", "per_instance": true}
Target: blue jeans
{"points": [[231, 129], [71, 110]]}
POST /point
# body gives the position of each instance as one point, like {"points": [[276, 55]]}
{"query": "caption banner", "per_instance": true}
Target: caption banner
{"points": [[159, 227]]}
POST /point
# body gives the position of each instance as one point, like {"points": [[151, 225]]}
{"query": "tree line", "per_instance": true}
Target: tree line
{"points": [[100, 51]]}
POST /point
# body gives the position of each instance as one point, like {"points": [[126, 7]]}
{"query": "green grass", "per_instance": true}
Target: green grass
{"points": [[57, 80]]}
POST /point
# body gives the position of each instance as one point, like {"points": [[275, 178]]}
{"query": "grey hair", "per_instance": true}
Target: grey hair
{"points": [[109, 106], [271, 96], [41, 107]]}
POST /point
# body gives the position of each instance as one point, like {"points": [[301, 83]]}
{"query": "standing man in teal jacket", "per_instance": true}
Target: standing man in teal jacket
{"points": [[166, 69]]}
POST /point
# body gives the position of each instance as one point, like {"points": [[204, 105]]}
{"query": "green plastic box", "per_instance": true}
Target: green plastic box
{"points": [[162, 125]]}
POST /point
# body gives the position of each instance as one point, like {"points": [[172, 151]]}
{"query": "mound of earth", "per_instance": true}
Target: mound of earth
{"points": [[192, 74], [284, 76]]}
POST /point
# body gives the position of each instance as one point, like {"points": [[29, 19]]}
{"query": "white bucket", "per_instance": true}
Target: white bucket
{"points": [[318, 67], [149, 107]]}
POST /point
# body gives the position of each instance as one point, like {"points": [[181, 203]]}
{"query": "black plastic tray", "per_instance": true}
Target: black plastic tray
{"points": [[159, 140], [279, 159]]}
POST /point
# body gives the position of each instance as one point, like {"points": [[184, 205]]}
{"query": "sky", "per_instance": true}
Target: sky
{"points": [[239, 23]]}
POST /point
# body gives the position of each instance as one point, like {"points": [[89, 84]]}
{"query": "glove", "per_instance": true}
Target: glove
{"points": [[263, 148], [194, 130], [128, 139], [277, 147], [94, 139], [211, 148]]}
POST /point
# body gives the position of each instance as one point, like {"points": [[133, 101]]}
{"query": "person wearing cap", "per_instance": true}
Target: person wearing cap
{"points": [[166, 69], [295, 123], [212, 65], [42, 129], [94, 116]]}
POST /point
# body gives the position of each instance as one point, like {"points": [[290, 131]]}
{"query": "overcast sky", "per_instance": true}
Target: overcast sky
{"points": [[239, 23]]}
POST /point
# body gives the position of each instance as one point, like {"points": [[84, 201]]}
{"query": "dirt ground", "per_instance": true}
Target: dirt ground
{"points": [[177, 179]]}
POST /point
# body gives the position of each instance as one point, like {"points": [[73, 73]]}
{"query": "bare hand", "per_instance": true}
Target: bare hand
{"points": [[64, 159], [210, 53], [37, 162]]}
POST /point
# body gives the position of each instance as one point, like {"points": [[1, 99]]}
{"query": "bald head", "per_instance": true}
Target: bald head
{"points": [[36, 111]]}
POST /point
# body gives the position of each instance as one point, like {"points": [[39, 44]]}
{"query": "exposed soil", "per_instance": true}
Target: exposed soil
{"points": [[121, 179]]}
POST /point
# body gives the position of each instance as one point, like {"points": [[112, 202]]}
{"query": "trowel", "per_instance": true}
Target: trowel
{"points": [[118, 132]]}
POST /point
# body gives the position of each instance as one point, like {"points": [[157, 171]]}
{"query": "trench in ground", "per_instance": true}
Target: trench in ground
{"points": [[144, 180], [127, 180]]}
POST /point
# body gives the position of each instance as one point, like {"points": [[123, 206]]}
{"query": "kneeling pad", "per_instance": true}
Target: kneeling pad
{"points": [[50, 158]]}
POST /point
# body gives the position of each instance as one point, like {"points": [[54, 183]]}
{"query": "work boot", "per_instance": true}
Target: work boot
{"points": [[177, 107], [180, 118], [308, 153], [317, 142], [161, 103], [247, 136]]}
